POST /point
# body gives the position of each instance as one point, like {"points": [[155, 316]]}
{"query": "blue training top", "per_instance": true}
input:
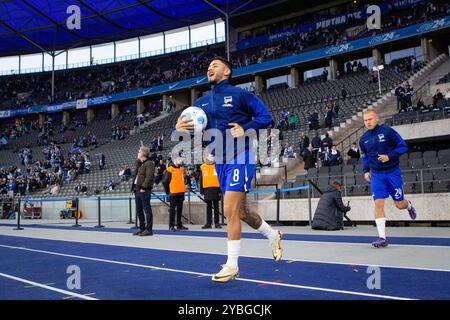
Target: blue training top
{"points": [[381, 140], [226, 104]]}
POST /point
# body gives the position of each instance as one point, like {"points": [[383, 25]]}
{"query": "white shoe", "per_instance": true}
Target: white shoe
{"points": [[226, 274], [276, 246]]}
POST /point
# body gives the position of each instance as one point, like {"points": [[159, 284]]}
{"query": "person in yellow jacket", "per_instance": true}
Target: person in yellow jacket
{"points": [[174, 185], [210, 189]]}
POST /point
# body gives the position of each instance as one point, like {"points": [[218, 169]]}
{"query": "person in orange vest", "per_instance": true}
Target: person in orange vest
{"points": [[173, 182], [210, 189]]}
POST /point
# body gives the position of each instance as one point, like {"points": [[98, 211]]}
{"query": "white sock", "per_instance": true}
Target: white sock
{"points": [[409, 205], [234, 248], [267, 231], [381, 226]]}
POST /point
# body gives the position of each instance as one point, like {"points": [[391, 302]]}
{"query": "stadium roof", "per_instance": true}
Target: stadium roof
{"points": [[29, 26]]}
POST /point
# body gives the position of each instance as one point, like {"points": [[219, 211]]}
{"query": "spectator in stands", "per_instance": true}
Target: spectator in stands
{"points": [[335, 156], [354, 152], [94, 141], [437, 97], [303, 144], [71, 175], [348, 67], [335, 109], [399, 93], [413, 64], [81, 188], [447, 94], [343, 93], [57, 186], [324, 75], [292, 121], [160, 168], [408, 94], [327, 141], [316, 144], [101, 161], [125, 173], [288, 151], [109, 186], [315, 120], [328, 118], [355, 66], [324, 155], [159, 142], [310, 159], [154, 144]]}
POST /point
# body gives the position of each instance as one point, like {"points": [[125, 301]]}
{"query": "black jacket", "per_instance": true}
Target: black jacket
{"points": [[304, 143], [211, 193], [329, 211], [145, 176]]}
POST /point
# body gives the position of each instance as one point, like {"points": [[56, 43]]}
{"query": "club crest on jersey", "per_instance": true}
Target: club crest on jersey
{"points": [[381, 138], [227, 101]]}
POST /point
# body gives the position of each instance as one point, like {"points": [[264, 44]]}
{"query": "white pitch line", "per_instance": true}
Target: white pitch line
{"points": [[244, 255], [363, 244], [36, 284], [206, 274]]}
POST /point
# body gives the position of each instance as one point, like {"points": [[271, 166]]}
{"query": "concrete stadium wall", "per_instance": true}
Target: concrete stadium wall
{"points": [[430, 207], [427, 129]]}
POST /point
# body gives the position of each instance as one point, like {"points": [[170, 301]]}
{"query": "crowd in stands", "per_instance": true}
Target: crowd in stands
{"points": [[118, 132], [317, 152], [404, 94]]}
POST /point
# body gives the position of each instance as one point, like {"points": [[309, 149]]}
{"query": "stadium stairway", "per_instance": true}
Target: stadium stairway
{"points": [[386, 106]]}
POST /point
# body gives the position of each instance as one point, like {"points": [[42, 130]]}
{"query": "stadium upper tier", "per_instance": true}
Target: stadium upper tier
{"points": [[132, 79]]}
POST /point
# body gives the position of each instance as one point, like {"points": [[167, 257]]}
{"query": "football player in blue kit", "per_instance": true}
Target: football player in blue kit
{"points": [[232, 111], [382, 147]]}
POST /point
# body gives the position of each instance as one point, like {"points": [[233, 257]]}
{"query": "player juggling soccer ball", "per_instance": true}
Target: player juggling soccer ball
{"points": [[233, 112], [382, 147]]}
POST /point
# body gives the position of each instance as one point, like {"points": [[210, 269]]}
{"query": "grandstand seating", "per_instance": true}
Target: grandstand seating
{"points": [[316, 95], [422, 172], [444, 79]]}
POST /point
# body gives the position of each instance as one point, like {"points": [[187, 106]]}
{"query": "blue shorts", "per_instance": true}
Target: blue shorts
{"points": [[384, 184], [235, 177]]}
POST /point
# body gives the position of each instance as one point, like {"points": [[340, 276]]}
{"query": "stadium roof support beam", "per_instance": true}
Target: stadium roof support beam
{"points": [[7, 26], [227, 23], [54, 23], [102, 16], [150, 8]]}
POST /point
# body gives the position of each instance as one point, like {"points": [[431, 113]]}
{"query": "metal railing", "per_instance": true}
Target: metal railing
{"points": [[345, 143], [422, 91], [436, 113], [418, 186]]}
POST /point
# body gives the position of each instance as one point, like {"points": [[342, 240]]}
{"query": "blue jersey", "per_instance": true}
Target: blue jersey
{"points": [[381, 140], [226, 104]]}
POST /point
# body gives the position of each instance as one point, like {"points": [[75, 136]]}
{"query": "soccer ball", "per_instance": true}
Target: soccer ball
{"points": [[198, 116]]}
